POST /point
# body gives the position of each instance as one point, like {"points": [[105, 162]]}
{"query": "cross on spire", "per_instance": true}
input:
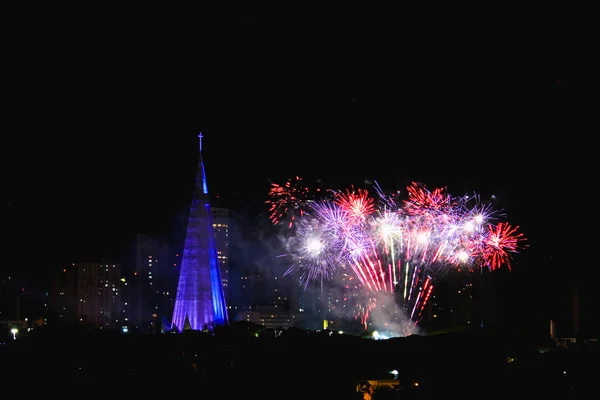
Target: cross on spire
{"points": [[200, 141]]}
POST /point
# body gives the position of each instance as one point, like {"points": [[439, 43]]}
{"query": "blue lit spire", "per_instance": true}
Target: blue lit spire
{"points": [[200, 299], [204, 187]]}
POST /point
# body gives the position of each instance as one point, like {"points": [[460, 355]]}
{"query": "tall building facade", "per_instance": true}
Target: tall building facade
{"points": [[200, 300], [220, 222], [99, 294], [63, 296], [151, 297], [451, 303]]}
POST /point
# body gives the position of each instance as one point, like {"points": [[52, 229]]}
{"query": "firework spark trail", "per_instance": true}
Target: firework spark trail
{"points": [[289, 199], [397, 245]]}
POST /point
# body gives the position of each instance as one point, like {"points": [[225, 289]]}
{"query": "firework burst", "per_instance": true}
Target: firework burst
{"points": [[392, 247], [289, 201]]}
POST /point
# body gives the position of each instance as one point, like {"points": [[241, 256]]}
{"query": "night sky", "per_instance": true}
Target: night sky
{"points": [[106, 111]]}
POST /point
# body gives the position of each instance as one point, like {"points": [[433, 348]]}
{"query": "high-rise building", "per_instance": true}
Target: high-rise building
{"points": [[63, 296], [220, 222], [199, 300], [99, 294], [150, 296], [451, 305]]}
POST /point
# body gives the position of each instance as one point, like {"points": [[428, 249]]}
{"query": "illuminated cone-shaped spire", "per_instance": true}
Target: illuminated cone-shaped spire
{"points": [[200, 300]]}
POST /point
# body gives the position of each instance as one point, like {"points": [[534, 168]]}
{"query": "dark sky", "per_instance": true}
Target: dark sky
{"points": [[106, 110]]}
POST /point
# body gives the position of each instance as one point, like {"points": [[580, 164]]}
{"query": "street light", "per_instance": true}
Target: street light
{"points": [[14, 331]]}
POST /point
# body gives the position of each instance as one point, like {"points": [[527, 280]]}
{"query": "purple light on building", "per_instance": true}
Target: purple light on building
{"points": [[200, 300]]}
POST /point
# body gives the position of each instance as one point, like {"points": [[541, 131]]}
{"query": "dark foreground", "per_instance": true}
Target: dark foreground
{"points": [[235, 363]]}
